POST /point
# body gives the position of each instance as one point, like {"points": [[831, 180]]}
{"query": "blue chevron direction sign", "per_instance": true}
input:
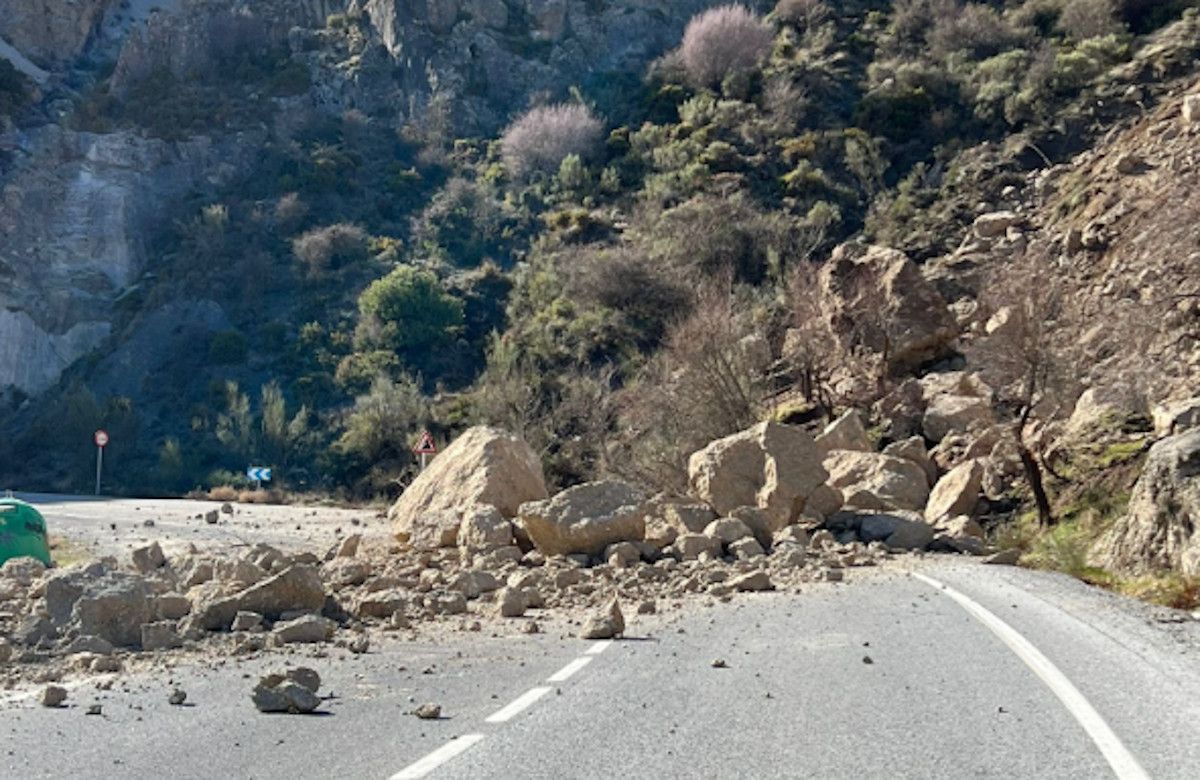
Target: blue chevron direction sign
{"points": [[259, 474]]}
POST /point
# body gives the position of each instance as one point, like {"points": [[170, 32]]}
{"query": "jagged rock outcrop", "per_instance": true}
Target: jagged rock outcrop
{"points": [[51, 32], [73, 218], [1161, 529]]}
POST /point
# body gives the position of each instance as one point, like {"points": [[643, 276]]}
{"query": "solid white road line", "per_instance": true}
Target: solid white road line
{"points": [[438, 757], [1123, 763], [599, 647], [565, 673], [518, 704]]}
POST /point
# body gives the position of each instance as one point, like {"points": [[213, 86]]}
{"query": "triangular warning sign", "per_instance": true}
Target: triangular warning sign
{"points": [[425, 445]]}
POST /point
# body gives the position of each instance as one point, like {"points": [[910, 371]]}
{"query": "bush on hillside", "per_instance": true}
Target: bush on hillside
{"points": [[543, 137], [1083, 19], [290, 212], [804, 14], [331, 247], [227, 347], [979, 31], [409, 313], [722, 42]]}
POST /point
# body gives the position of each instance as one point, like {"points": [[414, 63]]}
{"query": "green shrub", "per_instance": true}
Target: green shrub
{"points": [[407, 312], [227, 348]]}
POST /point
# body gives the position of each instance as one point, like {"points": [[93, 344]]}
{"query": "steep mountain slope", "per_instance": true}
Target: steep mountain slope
{"points": [[297, 233]]}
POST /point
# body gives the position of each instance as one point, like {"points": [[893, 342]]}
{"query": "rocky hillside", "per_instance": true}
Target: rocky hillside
{"points": [[298, 233]]}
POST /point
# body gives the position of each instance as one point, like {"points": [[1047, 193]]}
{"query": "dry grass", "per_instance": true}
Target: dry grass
{"points": [[65, 552], [223, 493], [1067, 548], [262, 497], [1168, 589]]}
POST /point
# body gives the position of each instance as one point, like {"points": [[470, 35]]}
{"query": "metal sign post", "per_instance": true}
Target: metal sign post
{"points": [[425, 447], [101, 439]]}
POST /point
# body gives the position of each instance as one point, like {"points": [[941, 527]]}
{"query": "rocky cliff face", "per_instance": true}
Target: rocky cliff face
{"points": [[488, 57], [51, 32], [76, 207], [73, 215]]}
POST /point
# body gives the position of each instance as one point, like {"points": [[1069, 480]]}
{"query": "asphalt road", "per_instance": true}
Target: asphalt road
{"points": [[113, 526], [942, 696]]}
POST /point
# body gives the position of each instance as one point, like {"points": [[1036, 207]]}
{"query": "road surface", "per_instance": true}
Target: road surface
{"points": [[114, 526], [886, 675]]}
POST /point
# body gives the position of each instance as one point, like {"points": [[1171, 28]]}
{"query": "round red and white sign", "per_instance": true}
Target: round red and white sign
{"points": [[101, 438]]}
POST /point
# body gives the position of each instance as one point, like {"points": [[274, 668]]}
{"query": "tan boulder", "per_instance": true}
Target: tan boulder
{"points": [[482, 466], [1106, 409], [957, 492], [876, 298], [844, 433], [586, 518], [960, 534], [1191, 109], [771, 466], [762, 524], [683, 515], [728, 530], [955, 383], [995, 224], [913, 448], [1176, 417], [870, 480], [823, 501], [946, 414], [483, 528]]}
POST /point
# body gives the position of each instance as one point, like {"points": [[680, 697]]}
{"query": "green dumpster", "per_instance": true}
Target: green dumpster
{"points": [[22, 532]]}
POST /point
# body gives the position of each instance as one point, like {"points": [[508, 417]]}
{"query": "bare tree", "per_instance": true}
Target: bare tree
{"points": [[1030, 355], [541, 138], [723, 41], [834, 369], [708, 381]]}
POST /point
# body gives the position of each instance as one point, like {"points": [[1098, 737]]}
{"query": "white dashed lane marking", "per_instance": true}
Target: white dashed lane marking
{"points": [[1124, 765], [462, 744], [518, 704], [438, 757], [568, 671]]}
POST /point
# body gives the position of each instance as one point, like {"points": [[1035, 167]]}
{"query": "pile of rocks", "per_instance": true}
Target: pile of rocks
{"points": [[772, 508]]}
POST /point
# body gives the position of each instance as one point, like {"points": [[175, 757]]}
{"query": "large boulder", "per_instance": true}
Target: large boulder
{"points": [[771, 466], [586, 518], [875, 297], [114, 609], [482, 466], [870, 480], [1176, 417], [1161, 529], [957, 492], [946, 414], [913, 448], [898, 529], [1106, 409], [297, 588], [844, 433]]}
